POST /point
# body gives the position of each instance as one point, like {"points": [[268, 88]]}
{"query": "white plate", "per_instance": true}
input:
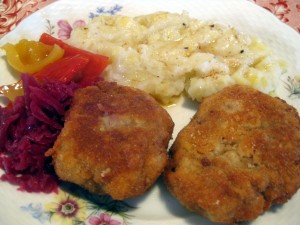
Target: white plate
{"points": [[157, 206]]}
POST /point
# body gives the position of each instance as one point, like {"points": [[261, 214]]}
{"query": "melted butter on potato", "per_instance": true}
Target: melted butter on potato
{"points": [[166, 54]]}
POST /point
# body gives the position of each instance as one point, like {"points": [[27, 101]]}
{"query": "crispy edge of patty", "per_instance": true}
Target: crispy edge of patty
{"points": [[114, 141], [239, 155]]}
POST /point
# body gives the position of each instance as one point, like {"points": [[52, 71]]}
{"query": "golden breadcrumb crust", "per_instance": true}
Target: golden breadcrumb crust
{"points": [[239, 155], [114, 141]]}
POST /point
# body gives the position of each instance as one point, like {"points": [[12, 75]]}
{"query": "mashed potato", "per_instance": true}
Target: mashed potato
{"points": [[166, 54]]}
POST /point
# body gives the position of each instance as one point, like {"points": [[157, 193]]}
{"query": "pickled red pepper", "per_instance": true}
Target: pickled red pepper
{"points": [[52, 60]]}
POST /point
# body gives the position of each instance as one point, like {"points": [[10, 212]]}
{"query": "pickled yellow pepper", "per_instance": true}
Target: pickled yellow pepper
{"points": [[31, 56]]}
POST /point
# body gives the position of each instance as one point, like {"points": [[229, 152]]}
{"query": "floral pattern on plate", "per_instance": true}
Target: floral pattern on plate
{"points": [[293, 86], [67, 209]]}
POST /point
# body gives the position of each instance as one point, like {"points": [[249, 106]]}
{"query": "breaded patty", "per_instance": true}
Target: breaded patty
{"points": [[114, 141], [239, 155]]}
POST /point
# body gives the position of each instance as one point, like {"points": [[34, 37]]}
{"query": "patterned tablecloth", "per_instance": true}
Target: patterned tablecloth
{"points": [[14, 11]]}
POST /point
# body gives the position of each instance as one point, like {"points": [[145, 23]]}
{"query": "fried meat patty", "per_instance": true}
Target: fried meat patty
{"points": [[114, 141], [239, 155]]}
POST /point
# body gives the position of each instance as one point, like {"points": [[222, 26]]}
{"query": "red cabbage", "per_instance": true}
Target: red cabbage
{"points": [[28, 128]]}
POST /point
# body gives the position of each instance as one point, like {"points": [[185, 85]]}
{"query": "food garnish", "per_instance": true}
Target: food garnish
{"points": [[97, 63], [64, 70], [29, 127], [31, 56], [52, 59]]}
